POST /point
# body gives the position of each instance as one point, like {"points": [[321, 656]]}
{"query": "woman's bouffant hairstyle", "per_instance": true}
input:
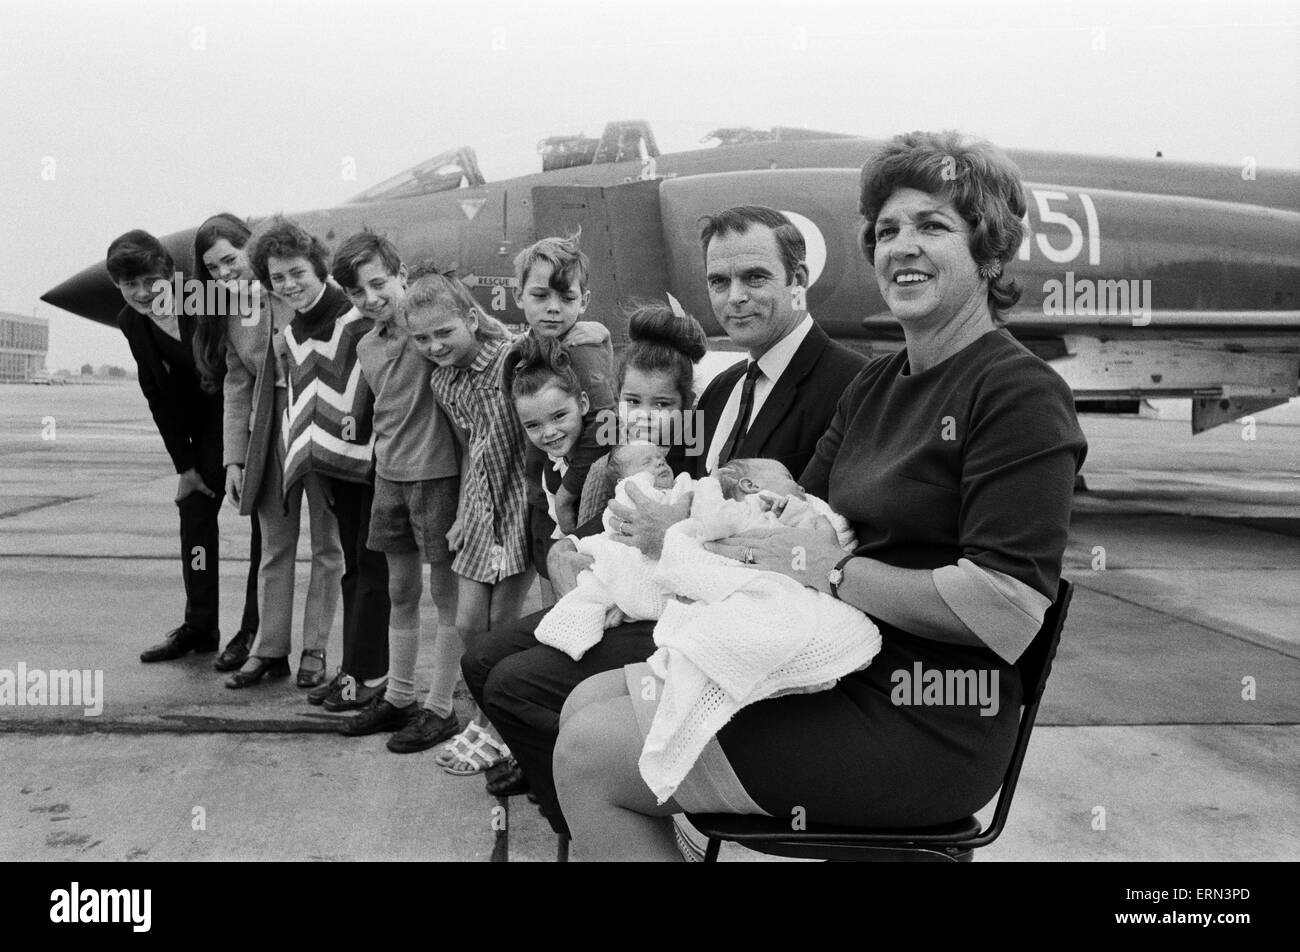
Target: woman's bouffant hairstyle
{"points": [[434, 290], [980, 181], [536, 363], [282, 238], [662, 341], [210, 333]]}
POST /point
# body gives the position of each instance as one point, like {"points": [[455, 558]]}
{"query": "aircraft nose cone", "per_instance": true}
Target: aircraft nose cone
{"points": [[87, 294], [91, 294]]}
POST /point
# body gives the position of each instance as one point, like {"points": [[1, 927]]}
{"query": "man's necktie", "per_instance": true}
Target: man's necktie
{"points": [[738, 431]]}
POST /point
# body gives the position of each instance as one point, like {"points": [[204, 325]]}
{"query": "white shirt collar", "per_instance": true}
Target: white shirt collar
{"points": [[779, 355]]}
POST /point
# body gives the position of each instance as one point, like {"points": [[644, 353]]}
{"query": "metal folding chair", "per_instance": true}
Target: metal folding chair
{"points": [[951, 842]]}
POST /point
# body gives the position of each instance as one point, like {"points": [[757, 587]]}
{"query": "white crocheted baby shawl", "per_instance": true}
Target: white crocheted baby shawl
{"points": [[620, 576], [745, 635]]}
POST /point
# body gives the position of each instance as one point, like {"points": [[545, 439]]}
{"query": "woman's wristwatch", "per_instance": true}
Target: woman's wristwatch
{"points": [[835, 577]]}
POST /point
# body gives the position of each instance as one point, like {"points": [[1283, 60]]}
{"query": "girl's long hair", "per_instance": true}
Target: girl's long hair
{"points": [[211, 336], [434, 290]]}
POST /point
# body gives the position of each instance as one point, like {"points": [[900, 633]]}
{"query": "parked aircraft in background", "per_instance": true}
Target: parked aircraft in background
{"points": [[1142, 278]]}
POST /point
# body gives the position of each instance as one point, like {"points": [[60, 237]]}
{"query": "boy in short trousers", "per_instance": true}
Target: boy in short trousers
{"points": [[417, 489]]}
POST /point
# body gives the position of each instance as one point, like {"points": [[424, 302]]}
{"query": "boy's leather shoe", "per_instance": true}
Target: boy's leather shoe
{"points": [[180, 642], [236, 652], [318, 694], [352, 695], [377, 716], [424, 730]]}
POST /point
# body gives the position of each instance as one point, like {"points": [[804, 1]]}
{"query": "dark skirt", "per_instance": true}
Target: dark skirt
{"points": [[851, 755]]}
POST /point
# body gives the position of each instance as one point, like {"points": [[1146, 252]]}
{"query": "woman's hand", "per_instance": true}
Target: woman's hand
{"points": [[564, 563], [643, 524], [805, 555], [234, 482]]}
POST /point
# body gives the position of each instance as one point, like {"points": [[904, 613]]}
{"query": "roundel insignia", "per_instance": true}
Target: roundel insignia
{"points": [[815, 242]]}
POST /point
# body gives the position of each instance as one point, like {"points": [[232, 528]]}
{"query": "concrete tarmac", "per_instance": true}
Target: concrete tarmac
{"points": [[1170, 728]]}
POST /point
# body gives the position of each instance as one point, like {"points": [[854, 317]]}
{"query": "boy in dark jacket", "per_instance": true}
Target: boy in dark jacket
{"points": [[188, 420]]}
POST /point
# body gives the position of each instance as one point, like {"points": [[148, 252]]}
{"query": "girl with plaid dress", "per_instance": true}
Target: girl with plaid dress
{"points": [[490, 534]]}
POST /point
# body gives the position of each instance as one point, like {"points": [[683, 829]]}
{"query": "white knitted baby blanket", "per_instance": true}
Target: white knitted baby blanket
{"points": [[744, 636], [620, 576]]}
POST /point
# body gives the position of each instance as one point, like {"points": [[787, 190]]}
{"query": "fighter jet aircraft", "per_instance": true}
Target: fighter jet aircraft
{"points": [[1142, 278]]}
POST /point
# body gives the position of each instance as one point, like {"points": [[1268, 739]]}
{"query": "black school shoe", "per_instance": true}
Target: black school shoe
{"points": [[236, 653], [506, 779], [317, 695], [180, 642], [424, 730], [362, 695], [378, 716]]}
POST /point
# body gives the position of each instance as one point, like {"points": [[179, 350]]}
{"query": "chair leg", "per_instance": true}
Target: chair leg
{"points": [[562, 848], [501, 824], [711, 852]]}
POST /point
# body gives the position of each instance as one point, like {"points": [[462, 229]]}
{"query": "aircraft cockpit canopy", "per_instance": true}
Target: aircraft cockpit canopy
{"points": [[442, 173], [626, 141], [621, 142]]}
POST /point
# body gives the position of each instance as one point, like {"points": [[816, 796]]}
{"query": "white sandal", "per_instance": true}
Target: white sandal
{"points": [[471, 752]]}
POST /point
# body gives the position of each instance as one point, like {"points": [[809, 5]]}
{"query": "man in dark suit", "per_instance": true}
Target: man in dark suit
{"points": [[188, 420], [775, 404]]}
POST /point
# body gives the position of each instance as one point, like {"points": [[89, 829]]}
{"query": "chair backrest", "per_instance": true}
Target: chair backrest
{"points": [[1034, 666], [1035, 662]]}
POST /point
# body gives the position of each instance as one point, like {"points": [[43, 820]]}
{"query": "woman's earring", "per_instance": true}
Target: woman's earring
{"points": [[990, 270]]}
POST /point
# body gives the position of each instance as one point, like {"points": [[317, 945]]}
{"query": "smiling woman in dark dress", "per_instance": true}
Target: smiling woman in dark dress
{"points": [[954, 460]]}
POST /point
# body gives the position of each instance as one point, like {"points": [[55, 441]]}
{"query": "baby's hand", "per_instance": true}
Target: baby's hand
{"points": [[772, 502]]}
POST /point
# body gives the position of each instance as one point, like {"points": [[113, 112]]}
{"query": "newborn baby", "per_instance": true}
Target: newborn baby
{"points": [[744, 494], [646, 465], [770, 496]]}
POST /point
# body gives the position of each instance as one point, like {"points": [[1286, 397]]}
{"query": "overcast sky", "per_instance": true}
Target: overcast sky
{"points": [[125, 114]]}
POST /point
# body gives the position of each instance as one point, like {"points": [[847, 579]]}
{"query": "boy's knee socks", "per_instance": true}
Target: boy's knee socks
{"points": [[447, 651], [403, 649]]}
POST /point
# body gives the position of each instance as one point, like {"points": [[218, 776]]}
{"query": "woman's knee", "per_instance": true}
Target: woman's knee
{"points": [[585, 752], [597, 749], [597, 688]]}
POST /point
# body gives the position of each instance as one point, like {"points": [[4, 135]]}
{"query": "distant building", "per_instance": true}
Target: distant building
{"points": [[24, 342]]}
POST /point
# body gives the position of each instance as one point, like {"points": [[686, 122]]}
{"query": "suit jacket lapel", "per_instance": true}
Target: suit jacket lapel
{"points": [[784, 390], [138, 330]]}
